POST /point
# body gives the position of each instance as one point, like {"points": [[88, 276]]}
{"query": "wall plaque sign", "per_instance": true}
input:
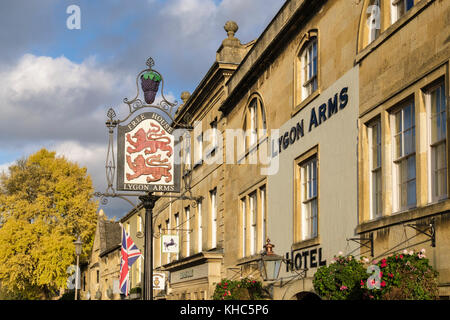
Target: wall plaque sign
{"points": [[146, 155]]}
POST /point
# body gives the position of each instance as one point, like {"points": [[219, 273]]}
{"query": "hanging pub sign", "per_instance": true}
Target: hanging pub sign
{"points": [[159, 281], [146, 155], [170, 244]]}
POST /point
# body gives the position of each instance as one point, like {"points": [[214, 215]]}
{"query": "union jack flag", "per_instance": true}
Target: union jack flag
{"points": [[129, 254]]}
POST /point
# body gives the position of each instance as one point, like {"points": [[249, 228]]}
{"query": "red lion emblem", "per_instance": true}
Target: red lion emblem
{"points": [[157, 168], [152, 139]]}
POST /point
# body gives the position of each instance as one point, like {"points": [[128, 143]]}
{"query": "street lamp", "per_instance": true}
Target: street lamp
{"points": [[270, 263], [78, 248]]}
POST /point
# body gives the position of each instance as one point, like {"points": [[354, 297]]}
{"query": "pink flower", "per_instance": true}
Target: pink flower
{"points": [[381, 274], [342, 288]]}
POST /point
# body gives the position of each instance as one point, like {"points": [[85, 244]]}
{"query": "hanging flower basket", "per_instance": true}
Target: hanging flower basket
{"points": [[150, 83]]}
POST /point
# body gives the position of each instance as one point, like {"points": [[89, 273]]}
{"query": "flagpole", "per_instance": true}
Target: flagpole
{"points": [[148, 202]]}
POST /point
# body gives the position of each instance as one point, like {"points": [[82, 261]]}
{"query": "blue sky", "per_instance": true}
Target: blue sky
{"points": [[57, 84]]}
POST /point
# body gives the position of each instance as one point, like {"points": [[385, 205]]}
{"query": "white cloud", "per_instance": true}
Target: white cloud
{"points": [[55, 98]]}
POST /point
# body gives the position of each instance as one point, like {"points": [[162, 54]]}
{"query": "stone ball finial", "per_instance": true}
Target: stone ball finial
{"points": [[231, 28], [185, 96]]}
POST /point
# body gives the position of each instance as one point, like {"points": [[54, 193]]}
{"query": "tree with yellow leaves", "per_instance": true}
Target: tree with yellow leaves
{"points": [[45, 203]]}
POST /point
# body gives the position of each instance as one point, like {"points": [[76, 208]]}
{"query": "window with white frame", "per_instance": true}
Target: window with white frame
{"points": [[214, 141], [187, 151], [139, 224], [213, 215], [262, 193], [160, 251], [309, 199], [168, 230], [309, 67], [374, 134], [400, 7], [244, 227], [177, 227], [436, 109], [404, 143], [199, 227], [187, 216], [198, 149], [255, 124]]}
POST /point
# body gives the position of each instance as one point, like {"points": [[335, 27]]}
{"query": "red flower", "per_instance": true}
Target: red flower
{"points": [[383, 284], [391, 275], [401, 256], [362, 282]]}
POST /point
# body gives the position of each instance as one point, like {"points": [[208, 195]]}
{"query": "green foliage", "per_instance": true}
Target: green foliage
{"points": [[341, 279], [244, 289], [45, 202], [151, 76], [135, 290], [400, 276]]}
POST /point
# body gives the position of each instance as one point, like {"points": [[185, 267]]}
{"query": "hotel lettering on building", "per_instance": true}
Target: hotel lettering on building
{"points": [[349, 100]]}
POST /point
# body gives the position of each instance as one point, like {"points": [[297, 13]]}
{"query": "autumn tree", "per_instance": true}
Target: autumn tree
{"points": [[45, 203]]}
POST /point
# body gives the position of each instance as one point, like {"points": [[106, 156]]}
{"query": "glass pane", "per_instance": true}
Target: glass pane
{"points": [[398, 122], [314, 187], [412, 193]]}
